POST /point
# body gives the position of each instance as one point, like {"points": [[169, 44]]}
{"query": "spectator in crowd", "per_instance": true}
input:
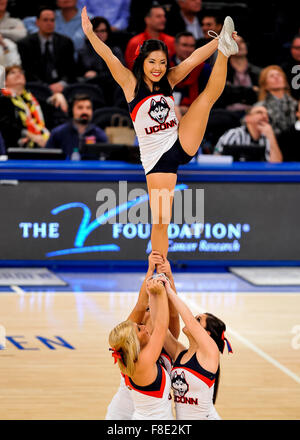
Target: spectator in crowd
{"points": [[71, 136], [256, 130], [91, 66], [211, 21], [9, 54], [11, 28], [189, 89], [21, 118], [116, 12], [46, 56], [155, 21], [274, 94], [185, 18], [290, 68], [289, 141], [2, 146], [241, 89], [139, 9], [67, 22]]}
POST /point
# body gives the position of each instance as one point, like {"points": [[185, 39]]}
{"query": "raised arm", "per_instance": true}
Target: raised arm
{"points": [[158, 302], [174, 323], [205, 343], [142, 303], [275, 152], [172, 346], [179, 72], [123, 76]]}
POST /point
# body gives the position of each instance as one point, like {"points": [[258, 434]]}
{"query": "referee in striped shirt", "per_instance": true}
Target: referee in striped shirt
{"points": [[256, 131]]}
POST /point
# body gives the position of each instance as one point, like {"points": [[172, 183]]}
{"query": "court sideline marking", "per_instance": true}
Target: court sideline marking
{"points": [[198, 309], [246, 342], [18, 290]]}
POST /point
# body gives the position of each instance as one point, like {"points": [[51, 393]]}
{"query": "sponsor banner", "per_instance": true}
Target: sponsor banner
{"points": [[112, 221]]}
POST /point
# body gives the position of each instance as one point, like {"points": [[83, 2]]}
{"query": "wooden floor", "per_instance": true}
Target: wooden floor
{"points": [[261, 380]]}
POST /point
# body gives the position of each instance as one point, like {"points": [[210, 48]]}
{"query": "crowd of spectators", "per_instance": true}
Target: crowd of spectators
{"points": [[55, 81]]}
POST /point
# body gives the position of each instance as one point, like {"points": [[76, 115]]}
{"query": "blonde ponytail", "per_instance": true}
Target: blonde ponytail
{"points": [[123, 338]]}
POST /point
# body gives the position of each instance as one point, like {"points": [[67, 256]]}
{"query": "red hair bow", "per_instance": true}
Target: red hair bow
{"points": [[229, 348], [137, 50], [115, 354]]}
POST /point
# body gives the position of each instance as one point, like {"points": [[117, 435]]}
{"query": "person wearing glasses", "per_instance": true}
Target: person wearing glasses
{"points": [[93, 69], [89, 62]]}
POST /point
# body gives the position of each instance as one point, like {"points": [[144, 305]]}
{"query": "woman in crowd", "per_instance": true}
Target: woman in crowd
{"points": [[21, 118], [22, 122], [92, 68], [274, 94]]}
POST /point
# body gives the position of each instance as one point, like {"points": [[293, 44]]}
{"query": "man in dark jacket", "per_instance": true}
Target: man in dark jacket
{"points": [[71, 136], [46, 56], [185, 17]]}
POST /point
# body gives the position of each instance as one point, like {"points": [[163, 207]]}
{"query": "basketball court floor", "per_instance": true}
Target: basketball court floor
{"points": [[56, 364]]}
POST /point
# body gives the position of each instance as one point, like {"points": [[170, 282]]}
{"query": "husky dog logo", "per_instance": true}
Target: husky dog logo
{"points": [[179, 384], [159, 110]]}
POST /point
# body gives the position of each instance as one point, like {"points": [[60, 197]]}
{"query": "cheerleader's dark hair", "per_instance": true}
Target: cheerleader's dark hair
{"points": [[217, 328], [142, 53]]}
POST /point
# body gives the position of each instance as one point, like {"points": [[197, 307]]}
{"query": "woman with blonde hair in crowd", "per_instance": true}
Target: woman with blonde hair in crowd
{"points": [[274, 94]]}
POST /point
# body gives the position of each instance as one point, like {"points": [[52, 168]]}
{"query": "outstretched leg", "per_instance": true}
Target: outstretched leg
{"points": [[161, 193], [193, 124]]}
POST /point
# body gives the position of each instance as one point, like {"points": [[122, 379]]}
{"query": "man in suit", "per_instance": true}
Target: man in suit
{"points": [[47, 56], [185, 17]]}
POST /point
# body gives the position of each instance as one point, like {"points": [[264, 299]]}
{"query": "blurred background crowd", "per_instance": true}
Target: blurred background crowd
{"points": [[56, 92]]}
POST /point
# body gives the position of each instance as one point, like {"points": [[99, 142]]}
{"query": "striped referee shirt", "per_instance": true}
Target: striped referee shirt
{"points": [[241, 136]]}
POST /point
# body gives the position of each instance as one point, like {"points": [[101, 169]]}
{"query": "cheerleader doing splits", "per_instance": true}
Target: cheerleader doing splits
{"points": [[164, 142]]}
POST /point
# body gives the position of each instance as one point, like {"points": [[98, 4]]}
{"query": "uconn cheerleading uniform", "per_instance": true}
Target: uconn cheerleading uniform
{"points": [[152, 402], [165, 360], [122, 407], [193, 388], [156, 126]]}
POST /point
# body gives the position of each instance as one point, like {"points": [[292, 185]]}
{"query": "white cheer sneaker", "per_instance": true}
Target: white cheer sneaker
{"points": [[227, 45]]}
